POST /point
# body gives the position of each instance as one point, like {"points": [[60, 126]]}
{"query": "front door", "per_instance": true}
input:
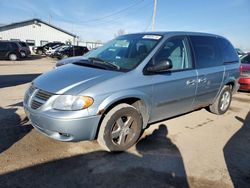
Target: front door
{"points": [[173, 91]]}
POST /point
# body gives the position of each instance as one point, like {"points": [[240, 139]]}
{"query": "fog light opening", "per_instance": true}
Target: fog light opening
{"points": [[65, 134]]}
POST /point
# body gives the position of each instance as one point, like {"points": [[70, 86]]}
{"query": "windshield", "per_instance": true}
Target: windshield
{"points": [[63, 48], [125, 52], [56, 46], [23, 44]]}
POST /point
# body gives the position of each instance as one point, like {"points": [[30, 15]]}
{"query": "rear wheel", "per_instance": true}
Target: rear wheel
{"points": [[120, 128], [223, 101], [13, 57]]}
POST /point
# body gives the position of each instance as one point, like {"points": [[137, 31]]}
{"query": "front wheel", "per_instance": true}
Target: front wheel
{"points": [[223, 101], [40, 52], [120, 128]]}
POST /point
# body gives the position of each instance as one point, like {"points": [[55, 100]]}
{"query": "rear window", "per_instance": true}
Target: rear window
{"points": [[228, 52], [206, 51]]}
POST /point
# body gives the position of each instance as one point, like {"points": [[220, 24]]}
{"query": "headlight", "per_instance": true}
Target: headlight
{"points": [[70, 102]]}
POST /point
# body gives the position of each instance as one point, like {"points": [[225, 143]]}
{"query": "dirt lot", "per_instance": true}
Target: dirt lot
{"points": [[198, 149]]}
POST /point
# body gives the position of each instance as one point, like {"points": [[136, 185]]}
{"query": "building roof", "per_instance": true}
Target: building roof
{"points": [[32, 21]]}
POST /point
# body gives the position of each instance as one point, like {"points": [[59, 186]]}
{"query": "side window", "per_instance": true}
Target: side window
{"points": [[246, 59], [228, 52], [206, 51], [178, 51], [2, 45]]}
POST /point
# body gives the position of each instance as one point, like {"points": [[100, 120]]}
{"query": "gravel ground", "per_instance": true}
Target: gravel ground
{"points": [[198, 149]]}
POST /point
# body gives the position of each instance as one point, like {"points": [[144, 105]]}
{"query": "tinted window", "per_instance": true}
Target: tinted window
{"points": [[23, 44], [246, 59], [177, 50], [12, 45], [228, 52], [2, 45], [206, 51]]}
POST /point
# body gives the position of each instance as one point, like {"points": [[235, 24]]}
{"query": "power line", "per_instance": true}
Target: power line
{"points": [[115, 13], [115, 19]]}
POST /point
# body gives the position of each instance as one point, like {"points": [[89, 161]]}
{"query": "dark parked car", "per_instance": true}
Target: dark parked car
{"points": [[42, 49], [71, 51], [10, 50], [25, 50], [245, 73]]}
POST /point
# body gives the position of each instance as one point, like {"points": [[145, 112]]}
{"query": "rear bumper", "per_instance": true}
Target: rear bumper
{"points": [[64, 129], [244, 83]]}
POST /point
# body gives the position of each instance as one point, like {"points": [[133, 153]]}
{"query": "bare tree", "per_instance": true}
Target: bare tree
{"points": [[120, 32]]}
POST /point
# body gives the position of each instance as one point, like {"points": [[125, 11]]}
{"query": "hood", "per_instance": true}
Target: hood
{"points": [[72, 79], [69, 60]]}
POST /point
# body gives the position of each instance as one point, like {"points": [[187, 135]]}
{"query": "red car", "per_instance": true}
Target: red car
{"points": [[245, 73]]}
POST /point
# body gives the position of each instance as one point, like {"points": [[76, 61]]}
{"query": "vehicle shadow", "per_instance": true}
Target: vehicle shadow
{"points": [[16, 79], [237, 154], [32, 57], [159, 164], [12, 128]]}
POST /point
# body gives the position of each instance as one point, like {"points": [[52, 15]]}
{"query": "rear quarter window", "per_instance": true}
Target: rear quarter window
{"points": [[206, 51], [12, 45], [228, 52]]}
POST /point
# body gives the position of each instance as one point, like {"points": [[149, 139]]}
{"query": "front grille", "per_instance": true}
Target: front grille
{"points": [[43, 95], [35, 104], [39, 98], [35, 98]]}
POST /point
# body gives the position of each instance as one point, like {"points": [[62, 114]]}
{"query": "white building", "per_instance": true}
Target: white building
{"points": [[36, 33]]}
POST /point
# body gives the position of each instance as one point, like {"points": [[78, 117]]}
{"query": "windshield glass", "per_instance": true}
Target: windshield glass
{"points": [[125, 52]]}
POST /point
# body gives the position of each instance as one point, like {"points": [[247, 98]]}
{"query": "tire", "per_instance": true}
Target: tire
{"points": [[23, 54], [12, 57], [223, 101], [120, 129], [40, 52]]}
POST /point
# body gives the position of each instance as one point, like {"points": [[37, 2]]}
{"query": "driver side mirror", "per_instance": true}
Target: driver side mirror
{"points": [[162, 66]]}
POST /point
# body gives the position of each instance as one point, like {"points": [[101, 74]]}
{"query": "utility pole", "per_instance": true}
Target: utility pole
{"points": [[154, 15], [50, 18]]}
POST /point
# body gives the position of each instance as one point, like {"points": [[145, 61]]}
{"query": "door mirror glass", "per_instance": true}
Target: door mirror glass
{"points": [[162, 66]]}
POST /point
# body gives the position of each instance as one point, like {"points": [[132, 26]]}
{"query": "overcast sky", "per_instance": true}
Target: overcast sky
{"points": [[100, 19]]}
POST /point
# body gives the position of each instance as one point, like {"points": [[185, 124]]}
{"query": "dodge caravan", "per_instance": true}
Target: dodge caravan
{"points": [[115, 91]]}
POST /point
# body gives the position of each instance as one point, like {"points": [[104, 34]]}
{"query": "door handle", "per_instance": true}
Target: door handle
{"points": [[191, 82], [202, 80]]}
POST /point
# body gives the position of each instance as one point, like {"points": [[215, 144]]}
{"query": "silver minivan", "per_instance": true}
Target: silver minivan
{"points": [[115, 91]]}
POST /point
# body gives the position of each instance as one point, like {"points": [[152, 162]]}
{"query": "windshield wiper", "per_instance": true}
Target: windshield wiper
{"points": [[88, 64], [99, 60]]}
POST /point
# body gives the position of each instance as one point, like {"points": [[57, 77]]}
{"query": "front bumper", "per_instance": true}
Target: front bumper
{"points": [[64, 129]]}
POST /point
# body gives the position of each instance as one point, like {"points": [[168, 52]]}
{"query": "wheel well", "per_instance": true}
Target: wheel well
{"points": [[136, 102], [231, 85]]}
